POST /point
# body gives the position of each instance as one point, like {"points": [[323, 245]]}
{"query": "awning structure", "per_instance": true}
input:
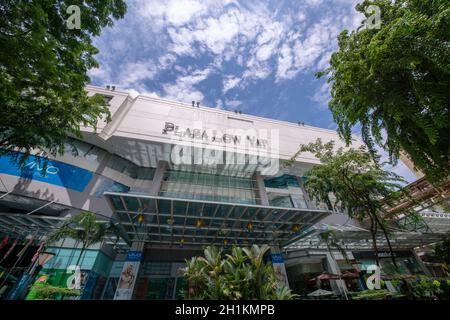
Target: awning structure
{"points": [[23, 225], [437, 221], [173, 221], [355, 238]]}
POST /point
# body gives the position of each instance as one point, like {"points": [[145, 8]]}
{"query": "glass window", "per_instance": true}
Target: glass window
{"points": [[206, 186], [282, 182], [299, 201], [282, 201]]}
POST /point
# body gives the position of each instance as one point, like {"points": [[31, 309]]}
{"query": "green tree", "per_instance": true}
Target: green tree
{"points": [[83, 228], [395, 81], [241, 275], [442, 250], [43, 71], [351, 180]]}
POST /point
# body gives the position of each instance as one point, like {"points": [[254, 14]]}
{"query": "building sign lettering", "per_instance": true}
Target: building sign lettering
{"points": [[213, 136]]}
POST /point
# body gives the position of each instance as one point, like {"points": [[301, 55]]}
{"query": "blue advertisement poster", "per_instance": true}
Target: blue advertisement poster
{"points": [[134, 256], [277, 258], [55, 172]]}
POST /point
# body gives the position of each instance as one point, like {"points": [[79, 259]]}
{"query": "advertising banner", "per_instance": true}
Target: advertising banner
{"points": [[128, 276], [280, 269], [55, 172]]}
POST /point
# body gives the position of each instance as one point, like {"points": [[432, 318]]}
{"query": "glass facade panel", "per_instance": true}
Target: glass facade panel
{"points": [[282, 182], [205, 186], [85, 150], [115, 162], [299, 201], [66, 257], [282, 201]]}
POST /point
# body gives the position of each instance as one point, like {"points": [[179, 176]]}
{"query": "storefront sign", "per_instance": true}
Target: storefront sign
{"points": [[374, 281], [212, 136], [134, 256], [381, 254]]}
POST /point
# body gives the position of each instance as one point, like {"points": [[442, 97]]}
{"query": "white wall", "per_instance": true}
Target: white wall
{"points": [[144, 118]]}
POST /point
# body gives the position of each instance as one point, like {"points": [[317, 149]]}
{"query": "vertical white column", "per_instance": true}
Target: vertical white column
{"points": [[158, 177], [333, 266], [310, 204], [262, 194]]}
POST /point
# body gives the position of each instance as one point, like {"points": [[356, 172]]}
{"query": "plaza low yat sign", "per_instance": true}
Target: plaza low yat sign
{"points": [[241, 147], [210, 135]]}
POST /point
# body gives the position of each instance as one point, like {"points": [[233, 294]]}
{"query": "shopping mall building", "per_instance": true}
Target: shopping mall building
{"points": [[170, 178]]}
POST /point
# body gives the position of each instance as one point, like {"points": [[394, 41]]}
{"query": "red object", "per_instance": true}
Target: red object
{"points": [[10, 250], [38, 251], [4, 242], [328, 276], [350, 275]]}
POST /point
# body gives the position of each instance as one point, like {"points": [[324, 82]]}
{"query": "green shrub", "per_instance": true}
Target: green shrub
{"points": [[241, 275], [48, 292]]}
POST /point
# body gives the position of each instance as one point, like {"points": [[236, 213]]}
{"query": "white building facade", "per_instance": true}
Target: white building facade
{"points": [[170, 178]]}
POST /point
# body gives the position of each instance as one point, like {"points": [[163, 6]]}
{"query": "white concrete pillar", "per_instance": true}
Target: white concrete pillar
{"points": [[309, 203], [333, 267], [158, 177], [262, 194]]}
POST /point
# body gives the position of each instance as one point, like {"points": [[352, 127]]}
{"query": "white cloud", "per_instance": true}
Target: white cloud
{"points": [[229, 83], [182, 11], [285, 63], [322, 95], [133, 72], [134, 93], [232, 103], [260, 39], [212, 33], [256, 71], [174, 12], [184, 89], [102, 73], [219, 104]]}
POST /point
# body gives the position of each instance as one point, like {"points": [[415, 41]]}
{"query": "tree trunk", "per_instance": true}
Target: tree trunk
{"points": [[388, 241], [373, 231], [83, 248]]}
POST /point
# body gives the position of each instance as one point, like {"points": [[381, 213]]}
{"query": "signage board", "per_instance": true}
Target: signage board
{"points": [[128, 276], [280, 269], [54, 172]]}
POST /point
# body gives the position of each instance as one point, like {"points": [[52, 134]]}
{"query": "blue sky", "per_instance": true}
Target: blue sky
{"points": [[259, 57]]}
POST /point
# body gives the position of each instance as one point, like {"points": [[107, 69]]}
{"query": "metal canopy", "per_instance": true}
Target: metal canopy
{"points": [[356, 238], [23, 225], [437, 221], [174, 221]]}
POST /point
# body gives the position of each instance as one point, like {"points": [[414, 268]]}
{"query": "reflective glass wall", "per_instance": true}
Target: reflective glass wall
{"points": [[285, 191], [205, 186]]}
